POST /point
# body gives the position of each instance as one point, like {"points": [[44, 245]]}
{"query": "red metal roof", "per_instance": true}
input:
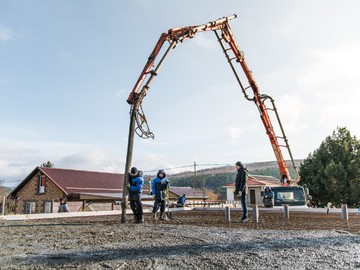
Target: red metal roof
{"points": [[188, 191], [77, 181], [252, 182]]}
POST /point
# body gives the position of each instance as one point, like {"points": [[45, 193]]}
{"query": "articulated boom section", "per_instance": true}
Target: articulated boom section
{"points": [[174, 36], [222, 30], [226, 36]]}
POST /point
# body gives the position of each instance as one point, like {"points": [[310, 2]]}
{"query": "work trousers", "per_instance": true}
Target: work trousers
{"points": [[156, 206], [136, 207], [243, 200]]}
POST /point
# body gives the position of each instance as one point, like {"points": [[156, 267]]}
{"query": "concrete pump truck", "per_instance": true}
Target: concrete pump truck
{"points": [[288, 192]]}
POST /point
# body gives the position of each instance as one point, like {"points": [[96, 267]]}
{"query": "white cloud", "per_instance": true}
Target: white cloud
{"points": [[235, 132], [205, 41], [6, 34], [291, 109], [330, 84], [331, 70], [93, 159], [150, 161], [17, 161], [122, 93]]}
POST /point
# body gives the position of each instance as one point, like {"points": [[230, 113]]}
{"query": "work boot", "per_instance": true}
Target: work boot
{"points": [[136, 219], [243, 220], [140, 219], [154, 216], [162, 216]]}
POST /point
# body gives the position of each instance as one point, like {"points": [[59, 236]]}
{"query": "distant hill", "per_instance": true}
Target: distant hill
{"points": [[4, 191], [269, 168]]}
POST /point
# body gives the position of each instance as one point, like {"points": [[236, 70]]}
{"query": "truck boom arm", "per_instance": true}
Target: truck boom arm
{"points": [[222, 30], [173, 35]]}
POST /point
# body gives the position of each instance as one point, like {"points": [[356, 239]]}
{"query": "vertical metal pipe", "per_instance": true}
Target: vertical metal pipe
{"points": [[130, 147], [286, 211], [128, 161], [255, 213], [194, 175], [3, 205], [227, 214], [344, 212]]}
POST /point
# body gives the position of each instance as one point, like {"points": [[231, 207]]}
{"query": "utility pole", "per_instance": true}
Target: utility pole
{"points": [[194, 175], [3, 205]]}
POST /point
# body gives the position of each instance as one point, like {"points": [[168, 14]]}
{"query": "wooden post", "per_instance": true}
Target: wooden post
{"points": [[344, 212], [286, 211], [3, 205], [227, 214], [255, 213]]}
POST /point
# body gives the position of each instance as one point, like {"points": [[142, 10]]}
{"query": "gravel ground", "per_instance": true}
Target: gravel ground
{"points": [[104, 243]]}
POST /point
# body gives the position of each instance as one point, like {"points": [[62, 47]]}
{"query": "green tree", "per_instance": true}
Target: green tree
{"points": [[47, 164], [332, 172]]}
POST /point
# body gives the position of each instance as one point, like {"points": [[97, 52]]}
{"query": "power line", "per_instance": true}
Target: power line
{"points": [[3, 181], [188, 166]]}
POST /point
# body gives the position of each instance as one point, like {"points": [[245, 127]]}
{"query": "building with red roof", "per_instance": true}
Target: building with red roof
{"points": [[256, 184], [189, 192], [41, 190]]}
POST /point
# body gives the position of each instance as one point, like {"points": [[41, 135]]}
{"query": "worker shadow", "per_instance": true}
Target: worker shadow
{"points": [[58, 259]]}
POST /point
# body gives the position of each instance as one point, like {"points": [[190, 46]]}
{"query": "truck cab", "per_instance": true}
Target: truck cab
{"points": [[294, 196]]}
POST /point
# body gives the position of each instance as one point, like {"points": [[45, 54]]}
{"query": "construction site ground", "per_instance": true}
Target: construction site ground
{"points": [[191, 240]]}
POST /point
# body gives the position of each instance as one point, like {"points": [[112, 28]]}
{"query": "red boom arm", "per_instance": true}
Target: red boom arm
{"points": [[179, 35]]}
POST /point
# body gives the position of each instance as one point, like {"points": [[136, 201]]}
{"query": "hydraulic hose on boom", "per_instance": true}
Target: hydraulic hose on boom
{"points": [[234, 55]]}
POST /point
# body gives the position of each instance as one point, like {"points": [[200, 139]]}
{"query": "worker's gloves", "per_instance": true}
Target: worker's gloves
{"points": [[128, 186], [237, 193]]}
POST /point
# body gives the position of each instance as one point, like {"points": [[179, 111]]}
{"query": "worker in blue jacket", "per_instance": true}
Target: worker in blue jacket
{"points": [[135, 187], [268, 197], [181, 201], [159, 190]]}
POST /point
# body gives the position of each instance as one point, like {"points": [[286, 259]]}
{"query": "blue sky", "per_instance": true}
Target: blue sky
{"points": [[67, 67]]}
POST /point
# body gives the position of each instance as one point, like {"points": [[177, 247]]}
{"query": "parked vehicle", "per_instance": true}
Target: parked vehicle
{"points": [[295, 196]]}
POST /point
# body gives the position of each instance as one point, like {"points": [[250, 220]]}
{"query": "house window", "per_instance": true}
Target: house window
{"points": [[48, 207], [252, 196], [30, 207], [41, 184]]}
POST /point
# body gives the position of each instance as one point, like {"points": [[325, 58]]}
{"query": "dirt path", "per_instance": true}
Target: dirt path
{"points": [[193, 240]]}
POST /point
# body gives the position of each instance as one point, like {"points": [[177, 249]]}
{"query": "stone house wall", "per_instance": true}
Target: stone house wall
{"points": [[30, 193]]}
